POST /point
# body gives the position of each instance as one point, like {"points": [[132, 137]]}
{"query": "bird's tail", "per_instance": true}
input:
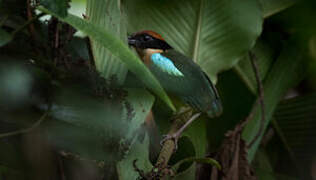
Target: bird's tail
{"points": [[216, 109]]}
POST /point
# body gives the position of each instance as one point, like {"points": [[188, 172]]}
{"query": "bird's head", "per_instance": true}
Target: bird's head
{"points": [[148, 40]]}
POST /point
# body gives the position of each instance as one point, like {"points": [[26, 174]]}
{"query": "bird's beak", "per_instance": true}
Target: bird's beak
{"points": [[132, 41]]}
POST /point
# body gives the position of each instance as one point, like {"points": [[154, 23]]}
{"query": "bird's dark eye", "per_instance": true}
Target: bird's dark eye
{"points": [[147, 38]]}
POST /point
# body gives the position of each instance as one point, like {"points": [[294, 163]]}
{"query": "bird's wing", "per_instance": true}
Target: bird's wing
{"points": [[177, 73], [165, 65], [192, 85]]}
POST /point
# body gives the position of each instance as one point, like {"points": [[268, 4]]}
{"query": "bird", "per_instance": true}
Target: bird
{"points": [[179, 75]]}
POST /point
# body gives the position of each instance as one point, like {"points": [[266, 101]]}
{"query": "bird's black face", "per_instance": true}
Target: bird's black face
{"points": [[145, 41]]}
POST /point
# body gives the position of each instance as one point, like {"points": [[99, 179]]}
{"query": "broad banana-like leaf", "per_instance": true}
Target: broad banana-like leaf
{"points": [[98, 129], [214, 33]]}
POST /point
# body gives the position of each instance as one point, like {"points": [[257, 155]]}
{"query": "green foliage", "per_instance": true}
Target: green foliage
{"points": [[97, 124], [78, 108], [285, 73], [138, 156]]}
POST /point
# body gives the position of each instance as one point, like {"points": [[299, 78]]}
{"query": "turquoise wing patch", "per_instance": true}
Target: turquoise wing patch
{"points": [[165, 64]]}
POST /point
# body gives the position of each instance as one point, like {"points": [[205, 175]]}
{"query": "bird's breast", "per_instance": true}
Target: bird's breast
{"points": [[146, 54]]}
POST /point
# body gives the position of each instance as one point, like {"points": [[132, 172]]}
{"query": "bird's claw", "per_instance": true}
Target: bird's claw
{"points": [[173, 137]]}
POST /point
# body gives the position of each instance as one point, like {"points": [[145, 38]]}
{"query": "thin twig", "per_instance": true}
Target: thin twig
{"points": [[22, 131], [254, 64]]}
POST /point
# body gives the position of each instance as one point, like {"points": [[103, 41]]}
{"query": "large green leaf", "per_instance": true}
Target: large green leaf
{"points": [[215, 33], [140, 153], [108, 15], [118, 49], [285, 73], [295, 125]]}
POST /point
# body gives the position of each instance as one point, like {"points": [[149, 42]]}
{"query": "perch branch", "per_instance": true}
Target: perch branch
{"points": [[169, 145]]}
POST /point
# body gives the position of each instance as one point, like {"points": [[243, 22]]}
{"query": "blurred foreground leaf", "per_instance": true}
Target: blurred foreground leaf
{"points": [[95, 128], [14, 76], [118, 49]]}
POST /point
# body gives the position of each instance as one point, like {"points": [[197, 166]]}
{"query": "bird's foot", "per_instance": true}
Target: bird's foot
{"points": [[183, 111], [174, 137]]}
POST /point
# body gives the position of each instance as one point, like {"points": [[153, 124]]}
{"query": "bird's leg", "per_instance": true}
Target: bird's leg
{"points": [[175, 136]]}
